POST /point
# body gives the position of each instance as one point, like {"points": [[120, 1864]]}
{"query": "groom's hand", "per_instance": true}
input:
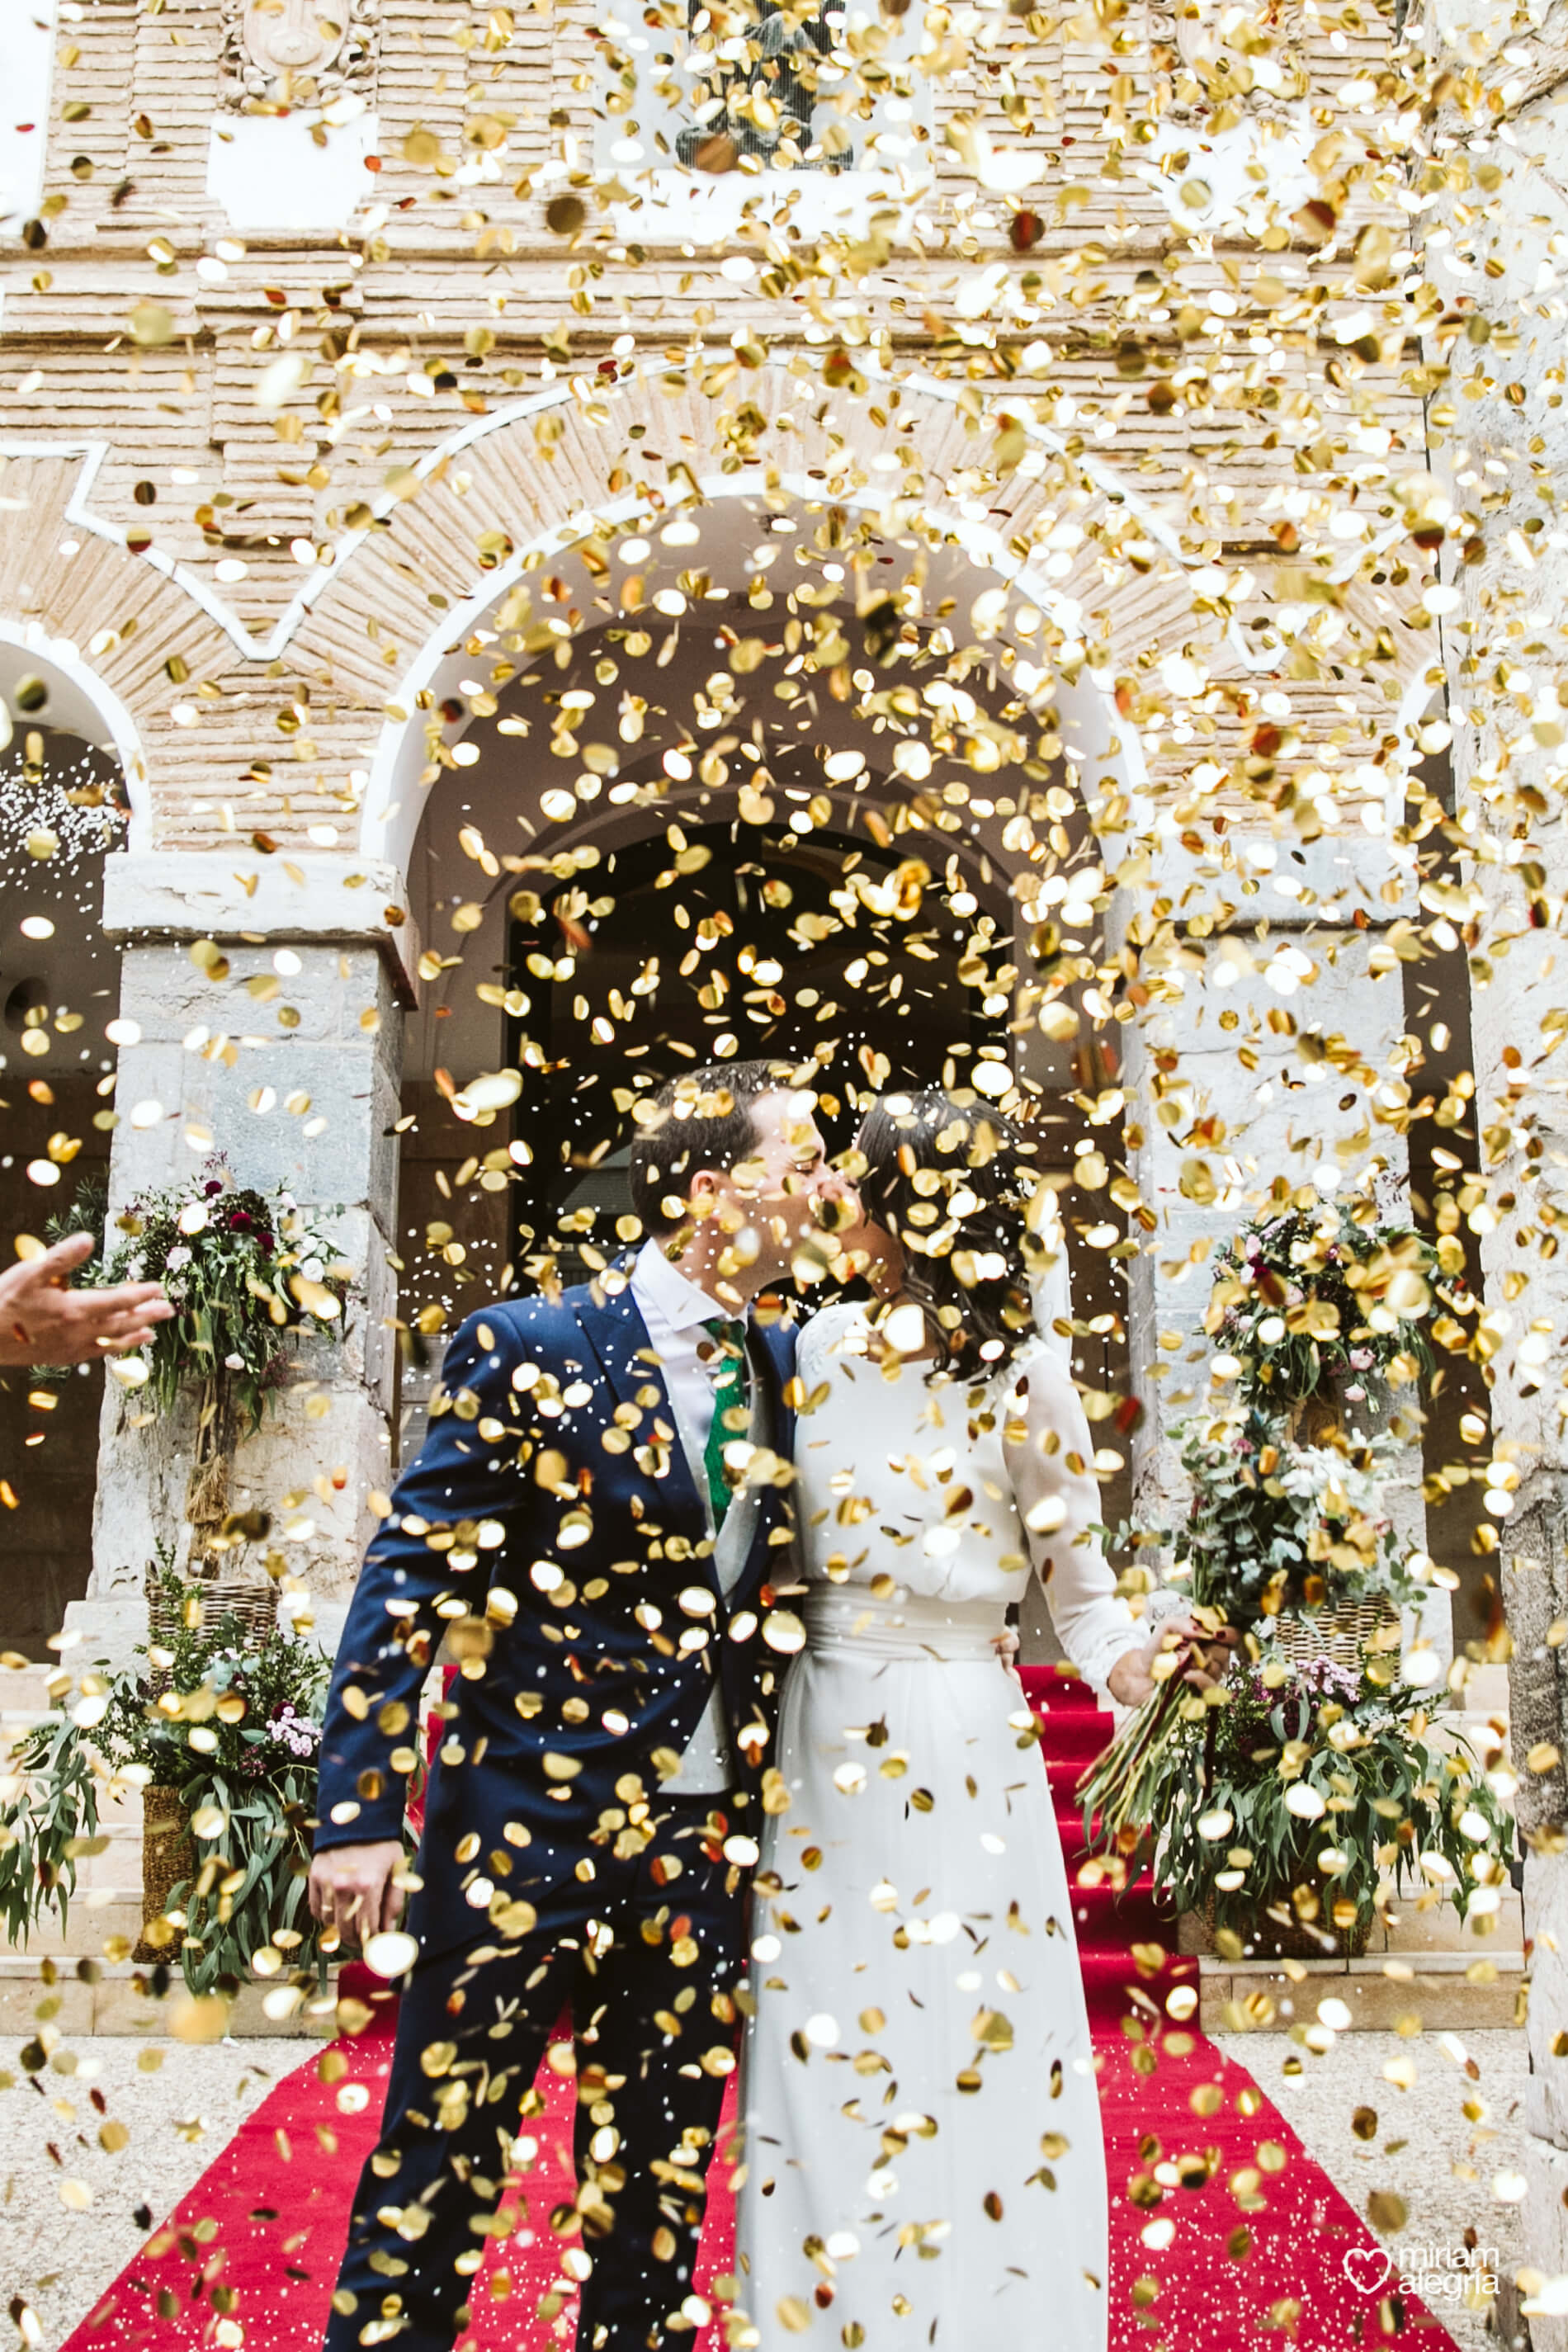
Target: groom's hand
{"points": [[352, 1889], [1202, 1659]]}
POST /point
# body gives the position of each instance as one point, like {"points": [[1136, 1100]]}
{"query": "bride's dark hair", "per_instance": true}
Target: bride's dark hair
{"points": [[952, 1186]]}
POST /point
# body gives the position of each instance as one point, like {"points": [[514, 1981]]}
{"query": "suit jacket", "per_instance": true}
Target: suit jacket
{"points": [[551, 1527]]}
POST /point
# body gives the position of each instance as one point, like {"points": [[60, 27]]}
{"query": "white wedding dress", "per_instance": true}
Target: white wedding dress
{"points": [[922, 2160]]}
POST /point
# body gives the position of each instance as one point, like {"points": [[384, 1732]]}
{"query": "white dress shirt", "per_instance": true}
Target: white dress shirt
{"points": [[675, 1311]]}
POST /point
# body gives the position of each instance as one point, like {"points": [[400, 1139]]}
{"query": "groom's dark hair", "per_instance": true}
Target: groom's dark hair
{"points": [[699, 1119]]}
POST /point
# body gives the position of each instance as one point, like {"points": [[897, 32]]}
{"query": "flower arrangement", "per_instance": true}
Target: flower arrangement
{"points": [[1282, 1808], [244, 1269], [49, 1821], [232, 1725], [1323, 1297], [1272, 1529], [236, 1733], [1276, 1529]]}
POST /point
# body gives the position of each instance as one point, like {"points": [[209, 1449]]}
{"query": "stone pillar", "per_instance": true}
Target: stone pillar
{"points": [[277, 1044], [1260, 1057], [1508, 670]]}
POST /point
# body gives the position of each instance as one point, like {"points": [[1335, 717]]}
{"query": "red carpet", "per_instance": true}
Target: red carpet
{"points": [[255, 2245]]}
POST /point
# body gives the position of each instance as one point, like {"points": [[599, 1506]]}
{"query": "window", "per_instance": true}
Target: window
{"points": [[819, 104]]}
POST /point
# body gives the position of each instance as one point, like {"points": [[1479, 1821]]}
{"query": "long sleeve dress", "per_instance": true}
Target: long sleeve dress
{"points": [[922, 2154]]}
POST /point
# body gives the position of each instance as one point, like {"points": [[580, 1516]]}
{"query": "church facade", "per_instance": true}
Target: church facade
{"points": [[470, 471]]}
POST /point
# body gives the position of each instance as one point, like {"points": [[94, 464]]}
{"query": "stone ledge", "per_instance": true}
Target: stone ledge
{"points": [[1259, 1997], [112, 2004], [1392, 1965], [181, 893]]}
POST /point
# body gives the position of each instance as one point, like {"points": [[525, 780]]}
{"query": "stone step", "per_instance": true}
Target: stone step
{"points": [[26, 1686], [1415, 1933], [93, 1914], [1268, 1997], [78, 1998]]}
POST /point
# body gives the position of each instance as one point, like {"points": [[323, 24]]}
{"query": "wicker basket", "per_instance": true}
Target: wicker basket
{"points": [[1344, 1634], [253, 1606], [1266, 1938], [168, 1856]]}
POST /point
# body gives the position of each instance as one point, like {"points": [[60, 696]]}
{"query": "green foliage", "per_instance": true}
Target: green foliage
{"points": [[1235, 1840], [87, 1212], [47, 1823], [248, 1893], [242, 1268], [1318, 1298], [233, 1725], [226, 1694], [1275, 1528], [236, 1731]]}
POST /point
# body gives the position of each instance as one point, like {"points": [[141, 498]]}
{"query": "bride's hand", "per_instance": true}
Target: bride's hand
{"points": [[1006, 1645], [1132, 1679]]}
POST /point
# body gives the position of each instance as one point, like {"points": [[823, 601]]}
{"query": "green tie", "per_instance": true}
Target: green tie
{"points": [[729, 1397]]}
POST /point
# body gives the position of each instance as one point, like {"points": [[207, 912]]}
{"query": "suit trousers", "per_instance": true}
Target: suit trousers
{"points": [[648, 1959]]}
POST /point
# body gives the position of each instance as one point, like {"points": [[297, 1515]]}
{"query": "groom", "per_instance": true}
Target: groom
{"points": [[593, 1522]]}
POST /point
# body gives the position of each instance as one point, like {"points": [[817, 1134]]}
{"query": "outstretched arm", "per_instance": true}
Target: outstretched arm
{"points": [[1049, 1453]]}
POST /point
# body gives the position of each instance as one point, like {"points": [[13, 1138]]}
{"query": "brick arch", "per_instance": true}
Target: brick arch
{"points": [[528, 484], [525, 489], [96, 621], [524, 484]]}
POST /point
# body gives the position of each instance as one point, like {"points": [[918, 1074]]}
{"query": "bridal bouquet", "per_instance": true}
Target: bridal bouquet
{"points": [[1273, 1529]]}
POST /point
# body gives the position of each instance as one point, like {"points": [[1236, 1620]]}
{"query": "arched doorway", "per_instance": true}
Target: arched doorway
{"points": [[826, 953], [716, 827]]}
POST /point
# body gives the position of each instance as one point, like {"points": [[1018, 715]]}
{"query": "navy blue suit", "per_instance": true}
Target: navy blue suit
{"points": [[551, 1528]]}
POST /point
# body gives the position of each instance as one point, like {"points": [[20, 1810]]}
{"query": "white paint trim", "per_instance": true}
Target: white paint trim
{"points": [[120, 737], [1086, 708], [269, 175], [92, 452]]}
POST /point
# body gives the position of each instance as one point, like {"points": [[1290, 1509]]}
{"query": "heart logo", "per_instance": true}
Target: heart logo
{"points": [[1368, 2268]]}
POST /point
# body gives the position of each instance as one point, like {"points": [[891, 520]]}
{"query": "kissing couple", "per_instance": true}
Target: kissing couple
{"points": [[734, 1756]]}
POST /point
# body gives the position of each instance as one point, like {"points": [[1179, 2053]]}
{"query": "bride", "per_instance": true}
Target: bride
{"points": [[923, 2155]]}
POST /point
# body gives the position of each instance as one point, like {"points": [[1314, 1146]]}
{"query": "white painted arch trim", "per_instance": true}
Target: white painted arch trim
{"points": [[393, 802], [78, 511], [105, 721]]}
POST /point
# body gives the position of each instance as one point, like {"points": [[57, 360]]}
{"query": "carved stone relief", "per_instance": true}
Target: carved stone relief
{"points": [[1245, 59], [297, 52], [762, 105]]}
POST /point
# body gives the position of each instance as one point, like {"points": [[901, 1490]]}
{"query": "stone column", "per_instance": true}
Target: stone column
{"points": [[263, 999], [1501, 428], [1260, 1057]]}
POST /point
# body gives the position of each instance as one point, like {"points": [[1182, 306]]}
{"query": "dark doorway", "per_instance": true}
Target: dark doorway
{"points": [[60, 986], [869, 959]]}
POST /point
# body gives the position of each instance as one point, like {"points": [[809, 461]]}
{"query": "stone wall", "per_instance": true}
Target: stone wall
{"points": [[1504, 446]]}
